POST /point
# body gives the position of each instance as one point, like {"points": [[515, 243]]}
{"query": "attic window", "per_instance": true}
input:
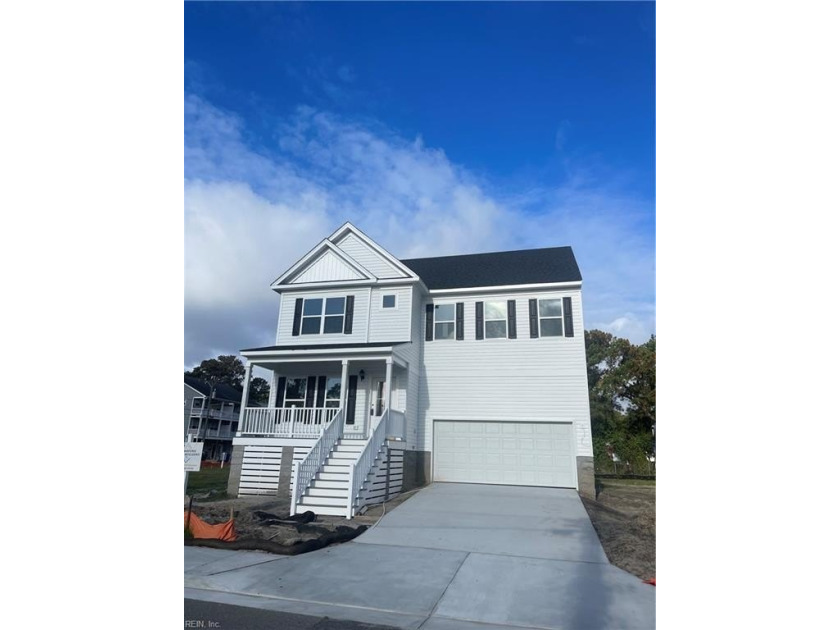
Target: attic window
{"points": [[389, 301]]}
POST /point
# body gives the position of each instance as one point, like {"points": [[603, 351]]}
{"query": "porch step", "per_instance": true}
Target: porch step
{"points": [[350, 456], [333, 476], [326, 510], [334, 501], [336, 483], [333, 467], [327, 492], [348, 448]]}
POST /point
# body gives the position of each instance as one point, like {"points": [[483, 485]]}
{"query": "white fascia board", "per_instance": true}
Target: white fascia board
{"points": [[510, 287], [337, 353], [334, 284], [349, 227], [316, 251], [309, 358]]}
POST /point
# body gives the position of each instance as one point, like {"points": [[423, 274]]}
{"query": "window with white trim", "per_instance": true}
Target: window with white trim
{"points": [[495, 320], [389, 301], [295, 394], [551, 318], [333, 394], [444, 321], [323, 316]]}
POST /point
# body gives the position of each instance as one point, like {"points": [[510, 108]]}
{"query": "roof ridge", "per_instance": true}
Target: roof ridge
{"points": [[507, 251]]}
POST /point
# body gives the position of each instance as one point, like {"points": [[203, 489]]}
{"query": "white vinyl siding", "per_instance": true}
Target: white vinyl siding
{"points": [[412, 353], [368, 258], [390, 324], [516, 453], [287, 316], [543, 379]]}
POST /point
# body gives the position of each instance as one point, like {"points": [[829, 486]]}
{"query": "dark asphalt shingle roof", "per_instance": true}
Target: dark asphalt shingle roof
{"points": [[328, 346], [223, 391], [526, 266]]}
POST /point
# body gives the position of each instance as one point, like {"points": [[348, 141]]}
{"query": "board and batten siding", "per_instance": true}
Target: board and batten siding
{"points": [[368, 258], [390, 324], [286, 318], [328, 267], [522, 379]]}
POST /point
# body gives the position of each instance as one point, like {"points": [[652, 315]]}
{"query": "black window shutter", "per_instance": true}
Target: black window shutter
{"points": [[511, 319], [479, 320], [298, 312], [350, 412], [280, 393], [310, 392], [348, 315], [459, 320], [430, 321], [567, 317], [322, 391], [533, 319]]}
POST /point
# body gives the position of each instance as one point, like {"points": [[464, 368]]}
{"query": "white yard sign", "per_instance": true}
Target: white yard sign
{"points": [[192, 456]]}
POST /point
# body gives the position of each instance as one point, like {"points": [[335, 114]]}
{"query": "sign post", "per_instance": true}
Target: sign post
{"points": [[192, 458]]}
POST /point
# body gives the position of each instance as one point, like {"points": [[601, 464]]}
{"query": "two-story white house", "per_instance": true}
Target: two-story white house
{"points": [[388, 374]]}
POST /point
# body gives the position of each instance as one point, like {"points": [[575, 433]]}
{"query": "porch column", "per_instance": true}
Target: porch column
{"points": [[344, 366], [246, 386], [389, 363], [272, 394]]}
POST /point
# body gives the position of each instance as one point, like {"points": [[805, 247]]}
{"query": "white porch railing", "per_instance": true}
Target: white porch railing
{"points": [[361, 467], [214, 433], [215, 414], [287, 421], [305, 470]]}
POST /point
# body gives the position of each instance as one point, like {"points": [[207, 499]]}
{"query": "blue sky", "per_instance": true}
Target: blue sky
{"points": [[437, 128]]}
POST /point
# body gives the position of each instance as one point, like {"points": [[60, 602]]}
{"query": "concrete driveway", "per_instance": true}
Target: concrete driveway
{"points": [[453, 556]]}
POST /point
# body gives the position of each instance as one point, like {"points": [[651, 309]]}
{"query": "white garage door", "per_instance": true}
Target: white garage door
{"points": [[512, 453]]}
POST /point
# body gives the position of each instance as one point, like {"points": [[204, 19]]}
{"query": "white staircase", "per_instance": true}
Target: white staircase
{"points": [[328, 491]]}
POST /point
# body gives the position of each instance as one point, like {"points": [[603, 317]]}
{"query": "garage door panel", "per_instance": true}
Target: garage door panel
{"points": [[516, 453]]}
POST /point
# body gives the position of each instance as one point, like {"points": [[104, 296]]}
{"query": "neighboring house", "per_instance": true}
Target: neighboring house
{"points": [[388, 374], [215, 421]]}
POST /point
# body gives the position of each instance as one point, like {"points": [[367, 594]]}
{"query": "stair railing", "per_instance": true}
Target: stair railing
{"points": [[304, 471], [364, 462]]}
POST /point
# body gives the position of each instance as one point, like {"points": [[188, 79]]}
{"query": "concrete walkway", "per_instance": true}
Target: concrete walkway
{"points": [[453, 556]]}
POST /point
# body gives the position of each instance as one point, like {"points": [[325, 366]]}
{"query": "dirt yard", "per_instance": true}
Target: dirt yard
{"points": [[258, 518], [625, 518]]}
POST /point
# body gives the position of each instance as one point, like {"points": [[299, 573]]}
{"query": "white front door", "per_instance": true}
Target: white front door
{"points": [[377, 401]]}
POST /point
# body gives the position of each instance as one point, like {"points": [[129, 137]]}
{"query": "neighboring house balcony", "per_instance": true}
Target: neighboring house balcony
{"points": [[216, 411], [224, 433]]}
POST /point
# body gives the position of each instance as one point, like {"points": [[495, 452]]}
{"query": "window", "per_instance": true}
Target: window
{"points": [[333, 396], [444, 321], [551, 318], [197, 403], [322, 316], [389, 301], [295, 392], [495, 320]]}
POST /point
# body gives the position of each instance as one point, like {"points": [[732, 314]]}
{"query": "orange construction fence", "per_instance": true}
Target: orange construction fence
{"points": [[199, 529]]}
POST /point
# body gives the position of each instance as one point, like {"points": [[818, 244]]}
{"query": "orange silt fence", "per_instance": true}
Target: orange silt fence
{"points": [[199, 529]]}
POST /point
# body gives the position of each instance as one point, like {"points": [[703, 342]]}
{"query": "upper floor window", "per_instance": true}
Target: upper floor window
{"points": [[444, 321], [389, 301], [495, 320], [322, 316], [551, 318]]}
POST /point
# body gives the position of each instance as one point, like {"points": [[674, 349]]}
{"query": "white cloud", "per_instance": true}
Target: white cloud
{"points": [[251, 213]]}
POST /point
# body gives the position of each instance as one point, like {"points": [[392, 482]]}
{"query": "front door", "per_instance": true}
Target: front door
{"points": [[377, 401], [354, 425]]}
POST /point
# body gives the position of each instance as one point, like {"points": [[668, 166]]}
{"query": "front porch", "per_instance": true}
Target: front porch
{"points": [[306, 395]]}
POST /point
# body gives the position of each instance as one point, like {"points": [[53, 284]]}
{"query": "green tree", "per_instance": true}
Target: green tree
{"points": [[226, 369], [622, 398]]}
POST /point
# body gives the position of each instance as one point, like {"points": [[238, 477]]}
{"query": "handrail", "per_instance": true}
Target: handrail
{"points": [[360, 469], [286, 421], [304, 471]]}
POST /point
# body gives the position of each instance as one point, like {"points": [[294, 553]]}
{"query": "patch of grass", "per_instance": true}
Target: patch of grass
{"points": [[626, 482], [208, 480]]}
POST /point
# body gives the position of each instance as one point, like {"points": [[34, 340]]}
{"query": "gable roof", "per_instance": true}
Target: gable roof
{"points": [[223, 391], [524, 266]]}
